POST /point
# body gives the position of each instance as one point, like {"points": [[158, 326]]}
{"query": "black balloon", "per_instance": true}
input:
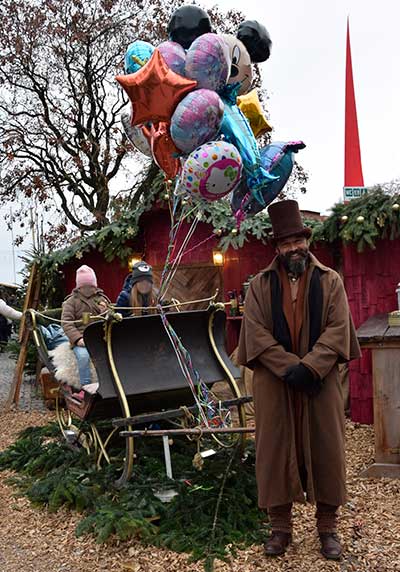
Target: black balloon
{"points": [[188, 23], [256, 39]]}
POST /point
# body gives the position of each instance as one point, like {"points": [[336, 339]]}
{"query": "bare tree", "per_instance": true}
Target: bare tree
{"points": [[61, 144], [59, 103]]}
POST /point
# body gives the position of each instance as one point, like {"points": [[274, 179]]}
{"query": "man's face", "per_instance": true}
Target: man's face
{"points": [[293, 252]]}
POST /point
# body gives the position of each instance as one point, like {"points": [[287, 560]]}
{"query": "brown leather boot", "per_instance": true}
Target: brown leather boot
{"points": [[277, 543], [330, 546]]}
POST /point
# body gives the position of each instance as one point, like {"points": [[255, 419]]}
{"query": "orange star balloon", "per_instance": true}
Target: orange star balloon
{"points": [[155, 90]]}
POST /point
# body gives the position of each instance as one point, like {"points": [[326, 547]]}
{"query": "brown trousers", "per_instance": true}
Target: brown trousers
{"points": [[281, 518]]}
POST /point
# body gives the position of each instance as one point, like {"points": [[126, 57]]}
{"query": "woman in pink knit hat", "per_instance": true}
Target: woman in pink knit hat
{"points": [[86, 298]]}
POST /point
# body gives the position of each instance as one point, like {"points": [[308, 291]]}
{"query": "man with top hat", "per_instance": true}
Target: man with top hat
{"points": [[296, 329]]}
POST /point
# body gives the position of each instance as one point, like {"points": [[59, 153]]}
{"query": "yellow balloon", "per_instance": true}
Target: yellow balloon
{"points": [[251, 108]]}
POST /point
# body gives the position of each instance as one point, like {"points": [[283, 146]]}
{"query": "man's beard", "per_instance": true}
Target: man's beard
{"points": [[295, 266]]}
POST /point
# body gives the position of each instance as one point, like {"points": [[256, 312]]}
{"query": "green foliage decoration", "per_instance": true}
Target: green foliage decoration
{"points": [[363, 221], [212, 515]]}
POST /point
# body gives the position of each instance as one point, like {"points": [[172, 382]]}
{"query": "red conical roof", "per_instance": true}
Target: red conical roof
{"points": [[353, 175]]}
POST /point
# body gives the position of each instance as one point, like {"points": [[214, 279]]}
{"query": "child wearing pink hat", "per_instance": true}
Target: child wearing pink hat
{"points": [[86, 298]]}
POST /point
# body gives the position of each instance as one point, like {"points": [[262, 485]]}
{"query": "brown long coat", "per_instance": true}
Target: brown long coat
{"points": [[277, 472], [73, 308]]}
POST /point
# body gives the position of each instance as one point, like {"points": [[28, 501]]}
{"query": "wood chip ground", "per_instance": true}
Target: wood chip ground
{"points": [[33, 540]]}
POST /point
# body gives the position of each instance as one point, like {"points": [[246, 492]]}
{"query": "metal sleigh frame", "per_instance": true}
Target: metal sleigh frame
{"points": [[110, 345]]}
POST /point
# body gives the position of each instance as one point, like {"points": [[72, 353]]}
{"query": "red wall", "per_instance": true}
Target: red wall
{"points": [[110, 276], [370, 279], [253, 257], [156, 229]]}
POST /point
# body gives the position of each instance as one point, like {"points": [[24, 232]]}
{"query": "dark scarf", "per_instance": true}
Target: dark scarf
{"points": [[281, 329]]}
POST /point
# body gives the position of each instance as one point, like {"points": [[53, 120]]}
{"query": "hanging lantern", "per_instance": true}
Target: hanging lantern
{"points": [[133, 259], [218, 258]]}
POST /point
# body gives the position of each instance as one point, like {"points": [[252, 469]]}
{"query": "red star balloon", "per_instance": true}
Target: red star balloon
{"points": [[155, 90]]}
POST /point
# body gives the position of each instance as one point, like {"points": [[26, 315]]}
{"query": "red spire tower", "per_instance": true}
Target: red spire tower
{"points": [[353, 175]]}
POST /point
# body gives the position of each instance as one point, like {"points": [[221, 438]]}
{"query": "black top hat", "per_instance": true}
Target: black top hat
{"points": [[286, 220]]}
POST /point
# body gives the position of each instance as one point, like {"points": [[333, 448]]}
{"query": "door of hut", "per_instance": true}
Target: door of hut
{"points": [[193, 282]]}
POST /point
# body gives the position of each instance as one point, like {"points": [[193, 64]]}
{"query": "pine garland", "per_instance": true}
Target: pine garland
{"points": [[363, 221]]}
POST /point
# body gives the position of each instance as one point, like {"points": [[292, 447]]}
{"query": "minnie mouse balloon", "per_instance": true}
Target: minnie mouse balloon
{"points": [[211, 171], [208, 62], [241, 71], [196, 119], [257, 40], [237, 131], [188, 23]]}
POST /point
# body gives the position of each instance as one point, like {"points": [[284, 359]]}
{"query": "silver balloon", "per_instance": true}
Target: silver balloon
{"points": [[135, 135]]}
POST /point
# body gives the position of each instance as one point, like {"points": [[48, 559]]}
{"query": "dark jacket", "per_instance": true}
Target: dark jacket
{"points": [[124, 297]]}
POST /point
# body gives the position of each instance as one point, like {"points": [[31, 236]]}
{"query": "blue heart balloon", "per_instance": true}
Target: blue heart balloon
{"points": [[278, 160]]}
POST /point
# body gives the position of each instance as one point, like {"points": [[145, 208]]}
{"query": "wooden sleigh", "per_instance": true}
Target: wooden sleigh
{"points": [[140, 379]]}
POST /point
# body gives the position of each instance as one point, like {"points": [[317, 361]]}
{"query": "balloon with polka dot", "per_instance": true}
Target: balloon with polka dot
{"points": [[211, 171]]}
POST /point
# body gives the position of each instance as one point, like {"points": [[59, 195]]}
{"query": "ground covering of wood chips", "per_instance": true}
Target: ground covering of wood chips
{"points": [[34, 540]]}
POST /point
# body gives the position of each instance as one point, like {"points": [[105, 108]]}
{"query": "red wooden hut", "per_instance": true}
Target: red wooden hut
{"points": [[370, 279]]}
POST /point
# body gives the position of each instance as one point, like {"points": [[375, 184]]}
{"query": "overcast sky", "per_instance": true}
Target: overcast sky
{"points": [[305, 77]]}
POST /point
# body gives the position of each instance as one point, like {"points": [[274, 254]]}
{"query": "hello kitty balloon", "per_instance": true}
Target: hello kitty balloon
{"points": [[211, 171]]}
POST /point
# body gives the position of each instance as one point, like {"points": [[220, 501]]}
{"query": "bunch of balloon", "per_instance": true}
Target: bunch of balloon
{"points": [[193, 111]]}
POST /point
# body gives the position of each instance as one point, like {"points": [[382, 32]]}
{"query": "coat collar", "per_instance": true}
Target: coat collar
{"points": [[314, 263]]}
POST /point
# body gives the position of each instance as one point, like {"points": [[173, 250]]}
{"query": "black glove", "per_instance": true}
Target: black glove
{"points": [[300, 378]]}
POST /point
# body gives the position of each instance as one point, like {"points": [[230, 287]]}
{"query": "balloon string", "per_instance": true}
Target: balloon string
{"points": [[184, 363], [240, 214], [205, 401], [198, 245], [174, 230], [175, 263], [171, 261], [209, 409]]}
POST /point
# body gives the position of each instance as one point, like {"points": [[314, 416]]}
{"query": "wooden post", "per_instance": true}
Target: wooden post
{"points": [[31, 301], [384, 341]]}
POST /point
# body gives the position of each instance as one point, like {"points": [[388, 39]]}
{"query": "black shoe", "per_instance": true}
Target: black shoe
{"points": [[331, 548], [277, 543]]}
